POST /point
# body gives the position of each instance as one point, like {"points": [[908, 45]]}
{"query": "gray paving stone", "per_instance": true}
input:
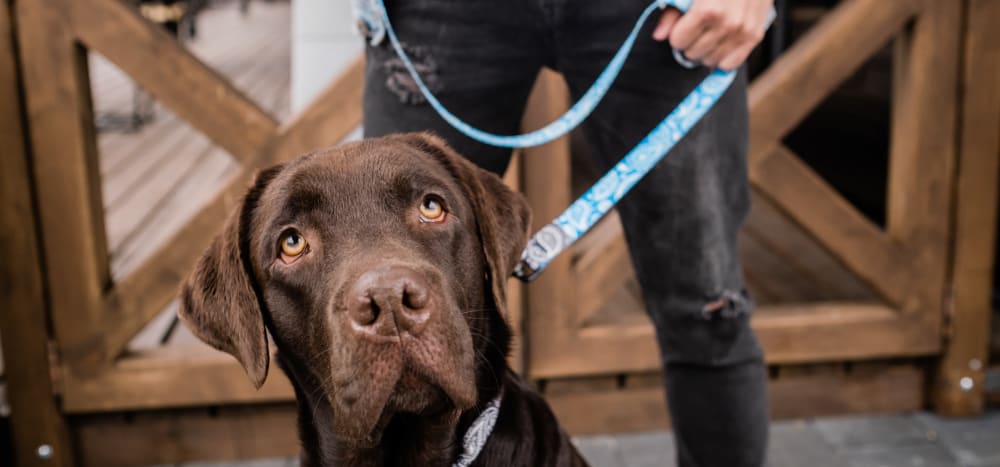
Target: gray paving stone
{"points": [[600, 451], [798, 443], [860, 432], [972, 441], [649, 449], [920, 440], [924, 455]]}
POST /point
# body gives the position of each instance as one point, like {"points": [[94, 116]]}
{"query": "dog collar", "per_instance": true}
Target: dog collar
{"points": [[477, 434]]}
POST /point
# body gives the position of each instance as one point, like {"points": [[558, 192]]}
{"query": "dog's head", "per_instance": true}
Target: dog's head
{"points": [[378, 267]]}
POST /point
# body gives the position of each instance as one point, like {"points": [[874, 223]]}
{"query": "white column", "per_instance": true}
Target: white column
{"points": [[323, 43]]}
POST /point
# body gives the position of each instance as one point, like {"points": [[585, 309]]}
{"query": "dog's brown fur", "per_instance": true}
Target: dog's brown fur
{"points": [[390, 328]]}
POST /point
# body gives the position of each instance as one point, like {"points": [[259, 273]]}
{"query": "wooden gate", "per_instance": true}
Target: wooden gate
{"points": [[903, 265], [582, 317]]}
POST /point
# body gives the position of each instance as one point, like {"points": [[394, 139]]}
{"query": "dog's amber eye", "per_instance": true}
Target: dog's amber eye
{"points": [[431, 210], [292, 244]]}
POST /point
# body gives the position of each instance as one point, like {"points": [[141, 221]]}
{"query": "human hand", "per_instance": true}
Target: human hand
{"points": [[717, 33]]}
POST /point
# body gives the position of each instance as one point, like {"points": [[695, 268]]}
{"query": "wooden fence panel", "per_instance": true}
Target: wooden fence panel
{"points": [[961, 374], [56, 85], [36, 419]]}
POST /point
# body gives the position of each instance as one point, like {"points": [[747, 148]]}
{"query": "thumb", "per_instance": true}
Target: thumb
{"points": [[666, 24]]}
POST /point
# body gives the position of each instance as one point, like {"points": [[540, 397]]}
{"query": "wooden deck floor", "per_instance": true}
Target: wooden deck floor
{"points": [[156, 178]]}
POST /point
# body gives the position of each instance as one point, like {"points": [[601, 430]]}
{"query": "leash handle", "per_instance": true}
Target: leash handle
{"points": [[684, 6]]}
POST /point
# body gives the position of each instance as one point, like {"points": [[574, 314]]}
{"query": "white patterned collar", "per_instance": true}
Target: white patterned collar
{"points": [[478, 433]]}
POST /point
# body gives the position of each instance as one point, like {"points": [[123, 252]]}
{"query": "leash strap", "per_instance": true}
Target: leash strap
{"points": [[586, 211], [562, 125]]}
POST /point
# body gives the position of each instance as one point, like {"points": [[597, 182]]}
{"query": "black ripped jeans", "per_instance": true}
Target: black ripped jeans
{"points": [[481, 57]]}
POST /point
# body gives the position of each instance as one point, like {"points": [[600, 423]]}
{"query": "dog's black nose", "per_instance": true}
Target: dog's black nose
{"points": [[389, 300]]}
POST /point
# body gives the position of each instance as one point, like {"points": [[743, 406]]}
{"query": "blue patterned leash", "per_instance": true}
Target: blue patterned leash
{"points": [[562, 125], [586, 211]]}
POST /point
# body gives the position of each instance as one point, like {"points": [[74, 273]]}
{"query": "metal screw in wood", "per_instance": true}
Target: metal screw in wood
{"points": [[44, 452]]}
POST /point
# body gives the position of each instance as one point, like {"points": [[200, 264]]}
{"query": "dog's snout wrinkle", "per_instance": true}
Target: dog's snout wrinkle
{"points": [[390, 300]]}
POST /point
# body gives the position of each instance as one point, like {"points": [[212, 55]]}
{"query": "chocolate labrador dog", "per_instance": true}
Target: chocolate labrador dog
{"points": [[378, 268]]}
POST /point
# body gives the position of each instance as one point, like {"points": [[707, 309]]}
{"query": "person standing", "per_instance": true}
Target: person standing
{"points": [[480, 58]]}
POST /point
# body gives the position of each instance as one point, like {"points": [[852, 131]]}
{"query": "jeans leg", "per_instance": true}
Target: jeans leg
{"points": [[719, 415], [681, 223]]}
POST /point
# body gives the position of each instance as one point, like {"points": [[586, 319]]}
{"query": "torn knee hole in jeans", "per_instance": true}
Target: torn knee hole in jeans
{"points": [[402, 85], [726, 304]]}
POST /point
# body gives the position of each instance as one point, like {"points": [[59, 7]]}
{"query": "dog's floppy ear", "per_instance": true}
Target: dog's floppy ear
{"points": [[502, 215], [220, 301]]}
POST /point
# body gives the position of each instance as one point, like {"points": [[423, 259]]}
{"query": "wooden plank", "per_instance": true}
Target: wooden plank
{"points": [[35, 417], [922, 157], [786, 240], [195, 375], [818, 62], [201, 177], [180, 436], [222, 44], [547, 188], [786, 92], [894, 389], [789, 333], [829, 218], [605, 268], [139, 297], [194, 91], [966, 351], [132, 222], [236, 433], [172, 376], [785, 283], [55, 81], [791, 265]]}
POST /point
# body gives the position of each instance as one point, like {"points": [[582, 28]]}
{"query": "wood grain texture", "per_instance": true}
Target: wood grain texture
{"points": [[784, 94], [966, 352], [228, 434], [822, 59], [193, 374], [173, 376], [890, 389], [797, 333], [547, 187], [822, 212], [171, 73], [922, 153], [35, 416], [138, 297], [66, 177], [582, 406]]}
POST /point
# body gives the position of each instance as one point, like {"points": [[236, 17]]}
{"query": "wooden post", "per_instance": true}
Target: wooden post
{"points": [[67, 178], [546, 179], [958, 386], [35, 417], [922, 156]]}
